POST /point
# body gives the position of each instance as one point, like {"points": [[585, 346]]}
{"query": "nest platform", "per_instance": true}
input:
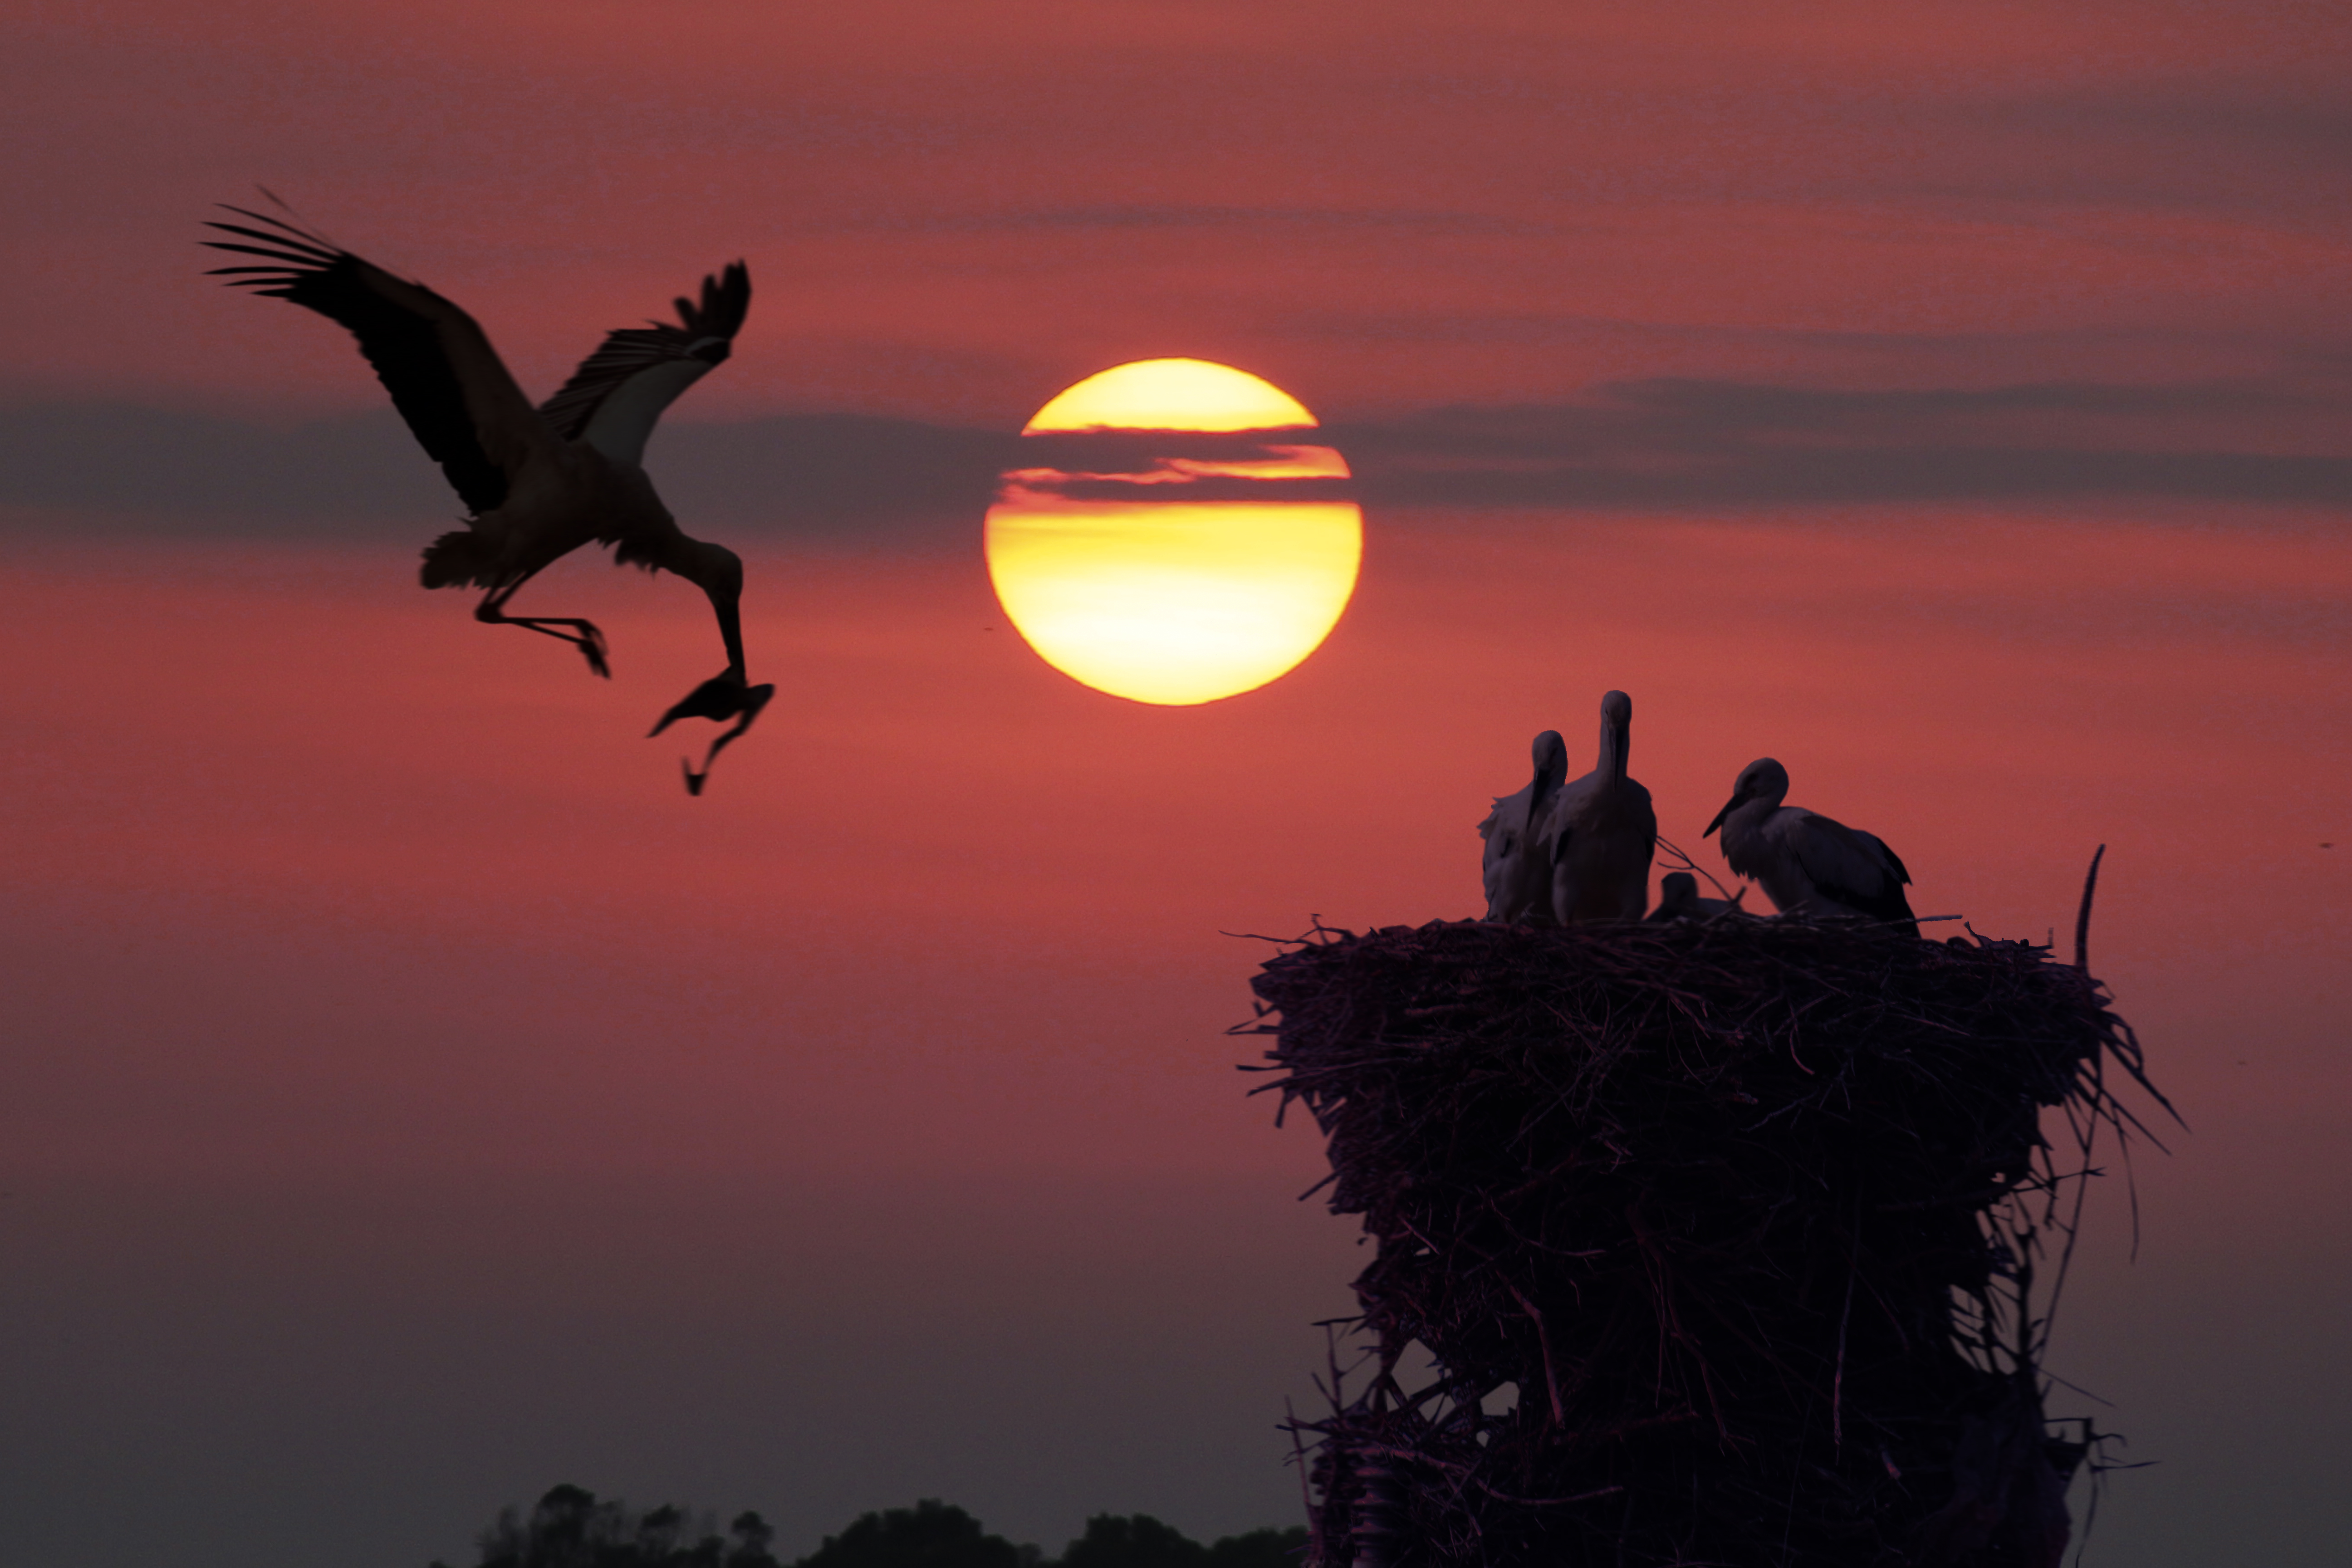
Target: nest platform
{"points": [[1720, 1240]]}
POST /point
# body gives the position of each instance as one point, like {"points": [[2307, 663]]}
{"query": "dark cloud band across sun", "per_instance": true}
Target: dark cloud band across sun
{"points": [[1712, 443]]}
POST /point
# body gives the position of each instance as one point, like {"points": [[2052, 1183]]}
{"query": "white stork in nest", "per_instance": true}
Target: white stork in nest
{"points": [[538, 483], [1600, 831], [1517, 870], [1809, 865]]}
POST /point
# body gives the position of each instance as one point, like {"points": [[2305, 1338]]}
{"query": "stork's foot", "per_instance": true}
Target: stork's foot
{"points": [[581, 634]]}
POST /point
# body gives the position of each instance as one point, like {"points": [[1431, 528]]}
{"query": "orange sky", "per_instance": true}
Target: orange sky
{"points": [[955, 214], [416, 1101], [371, 945]]}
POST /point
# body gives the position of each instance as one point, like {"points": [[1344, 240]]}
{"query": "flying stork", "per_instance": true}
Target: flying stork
{"points": [[1807, 863], [1600, 831], [1518, 873], [537, 483]]}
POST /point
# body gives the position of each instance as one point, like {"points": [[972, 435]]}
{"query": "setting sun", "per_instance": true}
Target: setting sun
{"points": [[1180, 577], [1172, 394]]}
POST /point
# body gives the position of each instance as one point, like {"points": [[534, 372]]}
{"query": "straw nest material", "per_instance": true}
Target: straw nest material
{"points": [[1720, 1238]]}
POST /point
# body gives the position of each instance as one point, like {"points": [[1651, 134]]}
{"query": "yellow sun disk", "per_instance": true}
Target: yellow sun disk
{"points": [[1172, 394], [1173, 602]]}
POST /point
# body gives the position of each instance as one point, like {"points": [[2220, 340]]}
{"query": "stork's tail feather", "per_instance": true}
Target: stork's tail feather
{"points": [[459, 559]]}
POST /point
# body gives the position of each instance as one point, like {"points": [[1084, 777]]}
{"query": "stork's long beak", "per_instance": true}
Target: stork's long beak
{"points": [[1539, 797], [1720, 816]]}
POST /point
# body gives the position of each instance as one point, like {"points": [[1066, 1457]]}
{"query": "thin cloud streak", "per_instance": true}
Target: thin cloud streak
{"points": [[148, 469], [1182, 214], [912, 484], [935, 245], [1691, 441]]}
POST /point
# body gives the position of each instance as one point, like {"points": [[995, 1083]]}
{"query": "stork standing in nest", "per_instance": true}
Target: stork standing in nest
{"points": [[1600, 831], [1809, 865], [537, 483], [1517, 870]]}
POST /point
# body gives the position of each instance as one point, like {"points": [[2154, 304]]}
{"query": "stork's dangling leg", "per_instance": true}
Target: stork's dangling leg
{"points": [[585, 636]]}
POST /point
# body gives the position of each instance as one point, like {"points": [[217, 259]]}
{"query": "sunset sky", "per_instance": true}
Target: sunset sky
{"points": [[414, 1099]]}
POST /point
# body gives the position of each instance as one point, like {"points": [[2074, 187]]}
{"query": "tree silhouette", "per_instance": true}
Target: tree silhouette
{"points": [[931, 1534], [1139, 1540], [1267, 1548], [570, 1528], [1135, 1541]]}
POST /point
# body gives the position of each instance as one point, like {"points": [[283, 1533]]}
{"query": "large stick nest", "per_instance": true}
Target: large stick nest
{"points": [[1720, 1238]]}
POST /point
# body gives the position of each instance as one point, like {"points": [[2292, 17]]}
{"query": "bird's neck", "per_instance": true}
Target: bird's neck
{"points": [[730, 630], [1743, 829], [719, 573], [1615, 745]]}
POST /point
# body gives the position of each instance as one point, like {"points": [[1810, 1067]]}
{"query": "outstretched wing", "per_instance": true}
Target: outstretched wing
{"points": [[463, 406], [614, 398]]}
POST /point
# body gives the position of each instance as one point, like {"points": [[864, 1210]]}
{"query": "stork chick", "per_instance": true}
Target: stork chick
{"points": [[1678, 899]]}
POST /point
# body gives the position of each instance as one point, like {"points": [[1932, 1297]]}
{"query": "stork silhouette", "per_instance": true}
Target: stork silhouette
{"points": [[537, 483], [1514, 863], [1809, 865], [1600, 831]]}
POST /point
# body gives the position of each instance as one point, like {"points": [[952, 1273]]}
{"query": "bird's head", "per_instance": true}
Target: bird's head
{"points": [[719, 699], [1762, 779], [1550, 753], [1616, 734], [722, 697]]}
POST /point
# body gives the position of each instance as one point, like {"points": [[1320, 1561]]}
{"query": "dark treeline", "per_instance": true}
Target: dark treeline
{"points": [[570, 1529]]}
